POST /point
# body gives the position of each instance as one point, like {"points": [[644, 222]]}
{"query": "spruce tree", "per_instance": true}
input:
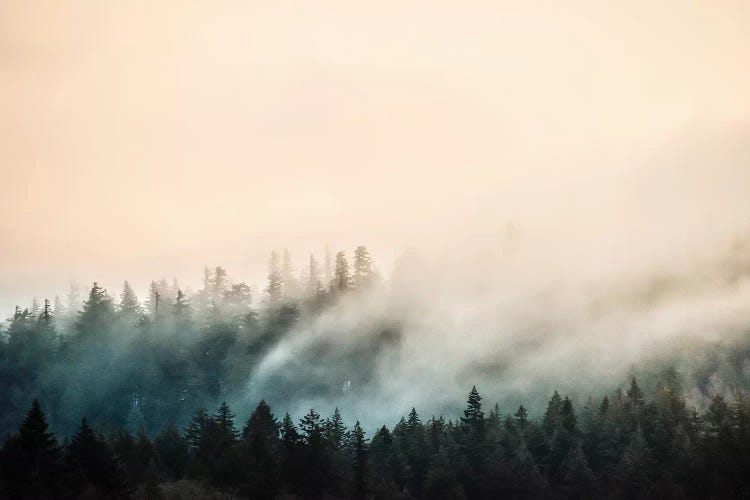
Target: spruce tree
{"points": [[129, 304], [225, 420], [363, 270], [359, 466], [341, 280]]}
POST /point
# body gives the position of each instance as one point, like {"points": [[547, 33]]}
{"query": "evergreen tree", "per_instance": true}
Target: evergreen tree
{"points": [[129, 304], [225, 420], [363, 270], [92, 462], [341, 278], [522, 418], [359, 454], [261, 437], [473, 415], [194, 432], [171, 452], [335, 430], [97, 313], [551, 415], [182, 311], [30, 461]]}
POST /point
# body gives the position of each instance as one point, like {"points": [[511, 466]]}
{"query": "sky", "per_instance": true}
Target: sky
{"points": [[141, 140]]}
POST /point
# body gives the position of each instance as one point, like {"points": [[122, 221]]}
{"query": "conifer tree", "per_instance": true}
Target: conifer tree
{"points": [[171, 451], [359, 452], [341, 280], [473, 415], [194, 431], [225, 420], [521, 417], [30, 461], [129, 304], [363, 273], [97, 313], [92, 462], [335, 430]]}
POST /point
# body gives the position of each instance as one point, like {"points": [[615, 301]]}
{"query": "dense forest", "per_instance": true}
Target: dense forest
{"points": [[625, 446], [112, 398]]}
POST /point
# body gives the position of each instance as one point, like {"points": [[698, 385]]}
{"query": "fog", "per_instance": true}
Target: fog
{"points": [[554, 196]]}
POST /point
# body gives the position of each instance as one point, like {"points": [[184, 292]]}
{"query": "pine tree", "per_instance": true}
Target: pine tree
{"points": [[310, 427], [171, 451], [194, 432], [335, 430], [363, 270], [261, 425], [341, 279], [30, 461], [521, 417], [154, 301], [93, 463], [97, 313], [551, 415], [129, 304], [182, 311], [359, 452], [225, 419], [261, 439], [473, 415]]}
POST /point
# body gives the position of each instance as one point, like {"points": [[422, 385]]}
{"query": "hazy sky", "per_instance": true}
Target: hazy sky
{"points": [[148, 139]]}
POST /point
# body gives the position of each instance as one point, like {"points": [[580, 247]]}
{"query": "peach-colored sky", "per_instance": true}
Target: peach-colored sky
{"points": [[146, 139]]}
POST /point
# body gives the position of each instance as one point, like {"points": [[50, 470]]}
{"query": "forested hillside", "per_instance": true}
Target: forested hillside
{"points": [[117, 398]]}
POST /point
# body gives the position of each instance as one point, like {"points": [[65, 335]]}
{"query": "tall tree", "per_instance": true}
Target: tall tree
{"points": [[341, 280], [92, 462], [97, 313], [30, 461], [359, 466], [129, 304], [363, 273]]}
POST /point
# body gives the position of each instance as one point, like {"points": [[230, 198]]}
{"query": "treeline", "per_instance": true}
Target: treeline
{"points": [[130, 363], [625, 446]]}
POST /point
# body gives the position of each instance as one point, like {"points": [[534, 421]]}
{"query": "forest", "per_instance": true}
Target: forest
{"points": [[113, 398]]}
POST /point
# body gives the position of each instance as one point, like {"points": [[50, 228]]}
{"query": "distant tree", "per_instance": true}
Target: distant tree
{"points": [[552, 414], [275, 283], [182, 311], [97, 313], [341, 280], [129, 304], [225, 420], [521, 417], [195, 430], [328, 269], [359, 466], [363, 273], [335, 430], [473, 415]]}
